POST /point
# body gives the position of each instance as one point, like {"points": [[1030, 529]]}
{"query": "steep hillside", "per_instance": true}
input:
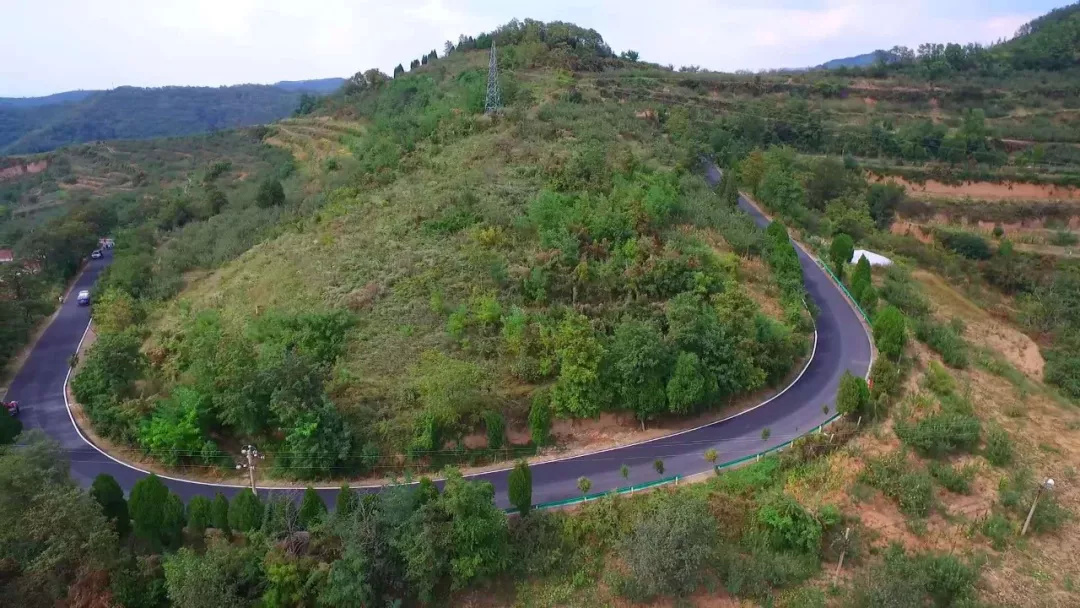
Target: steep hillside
{"points": [[30, 125], [54, 207], [561, 259]]}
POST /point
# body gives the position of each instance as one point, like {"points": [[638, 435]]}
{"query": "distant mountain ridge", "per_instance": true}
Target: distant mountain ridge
{"points": [[40, 124], [858, 61]]}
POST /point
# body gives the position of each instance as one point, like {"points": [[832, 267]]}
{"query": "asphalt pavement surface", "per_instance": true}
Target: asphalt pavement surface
{"points": [[842, 344]]}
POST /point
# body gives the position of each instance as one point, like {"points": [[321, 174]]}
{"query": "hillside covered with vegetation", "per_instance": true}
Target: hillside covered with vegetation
{"points": [[141, 113], [417, 284], [54, 207], [554, 262]]}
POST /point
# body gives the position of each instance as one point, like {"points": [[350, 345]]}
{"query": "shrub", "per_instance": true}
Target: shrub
{"points": [[519, 487], [788, 525], [853, 396], [941, 433], [939, 380], [840, 252], [270, 194], [540, 417], [903, 581], [911, 489], [952, 479], [967, 244], [759, 571], [999, 450], [1064, 238], [667, 553], [890, 331], [944, 340], [885, 379], [998, 529], [496, 429]]}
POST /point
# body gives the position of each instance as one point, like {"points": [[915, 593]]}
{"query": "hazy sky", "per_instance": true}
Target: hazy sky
{"points": [[56, 45]]}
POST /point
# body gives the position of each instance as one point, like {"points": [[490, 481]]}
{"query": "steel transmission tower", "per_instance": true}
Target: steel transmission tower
{"points": [[493, 103]]}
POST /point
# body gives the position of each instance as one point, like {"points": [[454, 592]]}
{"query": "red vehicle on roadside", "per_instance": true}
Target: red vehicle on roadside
{"points": [[12, 408]]}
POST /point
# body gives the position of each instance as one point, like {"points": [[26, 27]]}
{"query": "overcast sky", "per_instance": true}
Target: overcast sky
{"points": [[57, 45]]}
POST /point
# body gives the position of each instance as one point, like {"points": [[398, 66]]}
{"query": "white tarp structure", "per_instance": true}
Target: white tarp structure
{"points": [[875, 259]]}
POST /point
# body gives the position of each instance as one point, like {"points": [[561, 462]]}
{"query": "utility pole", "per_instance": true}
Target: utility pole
{"points": [[1047, 485], [493, 102], [251, 455]]}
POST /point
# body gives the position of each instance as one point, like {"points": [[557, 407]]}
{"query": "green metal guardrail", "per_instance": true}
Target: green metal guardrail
{"points": [[554, 504], [854, 301]]}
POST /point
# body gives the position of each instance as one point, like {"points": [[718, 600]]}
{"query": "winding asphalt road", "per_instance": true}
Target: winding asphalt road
{"points": [[842, 344]]}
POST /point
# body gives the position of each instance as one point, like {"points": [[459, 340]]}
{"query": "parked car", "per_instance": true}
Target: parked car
{"points": [[83, 298], [12, 407], [95, 254]]}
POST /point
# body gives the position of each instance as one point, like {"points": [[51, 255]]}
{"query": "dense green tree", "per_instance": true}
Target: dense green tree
{"points": [[10, 427], [883, 199], [639, 361], [51, 532], [861, 278], [147, 506], [245, 511], [173, 520], [312, 508], [459, 534], [687, 386], [214, 579], [496, 429], [577, 392], [667, 554], [113, 362], [110, 496], [270, 194], [519, 487], [176, 426], [219, 514], [215, 200], [890, 332], [347, 501], [540, 417], [853, 396], [399, 70], [840, 252], [729, 188], [200, 514], [827, 181]]}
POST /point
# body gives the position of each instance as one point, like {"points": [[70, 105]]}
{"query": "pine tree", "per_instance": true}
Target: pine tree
{"points": [[347, 501], [312, 509], [246, 511], [200, 514], [219, 514], [399, 70], [519, 487], [108, 494], [173, 519], [147, 508], [840, 253]]}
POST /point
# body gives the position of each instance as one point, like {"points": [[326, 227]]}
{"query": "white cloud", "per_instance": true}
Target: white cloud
{"points": [[66, 44]]}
